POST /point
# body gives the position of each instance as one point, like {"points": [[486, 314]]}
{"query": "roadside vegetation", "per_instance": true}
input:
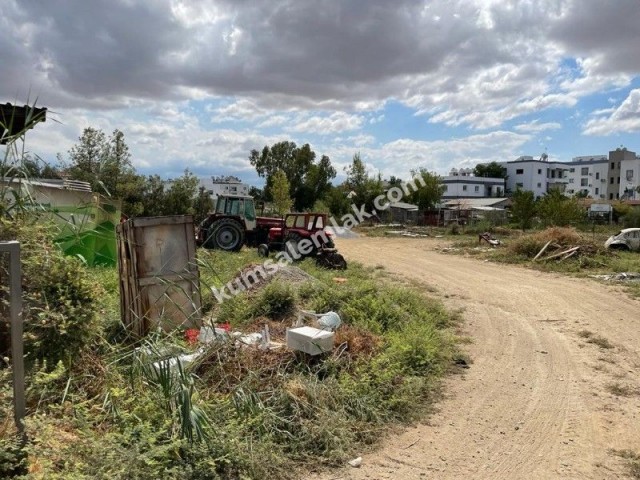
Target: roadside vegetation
{"points": [[97, 409]]}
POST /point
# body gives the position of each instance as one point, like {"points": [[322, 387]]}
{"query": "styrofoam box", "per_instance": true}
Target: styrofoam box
{"points": [[310, 340]]}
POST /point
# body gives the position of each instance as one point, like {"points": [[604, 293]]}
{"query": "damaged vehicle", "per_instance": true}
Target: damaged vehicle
{"points": [[627, 239]]}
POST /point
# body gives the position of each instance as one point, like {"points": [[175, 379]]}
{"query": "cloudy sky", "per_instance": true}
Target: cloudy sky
{"points": [[435, 84]]}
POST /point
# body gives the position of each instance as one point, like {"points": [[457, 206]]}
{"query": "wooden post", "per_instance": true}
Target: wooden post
{"points": [[15, 314]]}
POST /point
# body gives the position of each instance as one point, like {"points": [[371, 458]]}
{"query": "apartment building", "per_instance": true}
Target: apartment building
{"points": [[538, 176], [588, 175], [606, 177], [624, 171], [463, 184]]}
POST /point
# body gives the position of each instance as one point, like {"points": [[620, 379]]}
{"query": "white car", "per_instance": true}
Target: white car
{"points": [[627, 239]]}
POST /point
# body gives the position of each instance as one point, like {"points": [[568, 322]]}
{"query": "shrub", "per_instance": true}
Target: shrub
{"points": [[276, 300], [632, 219], [60, 300], [530, 245]]}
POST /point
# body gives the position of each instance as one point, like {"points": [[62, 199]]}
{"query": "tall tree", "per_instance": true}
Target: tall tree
{"points": [[523, 208], [428, 195], [556, 209], [202, 205], [307, 179], [491, 170], [106, 164], [363, 189], [280, 191], [179, 197]]}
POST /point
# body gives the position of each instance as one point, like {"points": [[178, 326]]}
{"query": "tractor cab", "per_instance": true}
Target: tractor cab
{"points": [[240, 207], [304, 235]]}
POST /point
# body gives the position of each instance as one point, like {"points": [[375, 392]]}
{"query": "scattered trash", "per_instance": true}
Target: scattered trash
{"points": [[619, 277], [250, 338], [356, 462], [330, 321], [209, 335], [490, 239], [310, 340]]}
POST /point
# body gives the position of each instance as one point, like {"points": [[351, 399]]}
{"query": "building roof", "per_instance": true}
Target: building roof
{"points": [[404, 206], [472, 203], [65, 184]]}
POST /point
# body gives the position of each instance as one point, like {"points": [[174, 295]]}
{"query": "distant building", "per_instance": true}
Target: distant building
{"points": [[224, 185], [601, 177], [463, 184], [587, 175], [537, 176], [624, 174]]}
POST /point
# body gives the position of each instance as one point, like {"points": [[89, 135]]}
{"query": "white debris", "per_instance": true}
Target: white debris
{"points": [[356, 462]]}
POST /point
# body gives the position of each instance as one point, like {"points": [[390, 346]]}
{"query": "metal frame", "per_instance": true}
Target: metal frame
{"points": [[17, 348]]}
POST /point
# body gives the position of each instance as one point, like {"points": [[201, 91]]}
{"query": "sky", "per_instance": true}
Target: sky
{"points": [[407, 84]]}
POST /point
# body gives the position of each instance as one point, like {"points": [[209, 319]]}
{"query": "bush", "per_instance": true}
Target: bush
{"points": [[60, 300], [530, 245], [632, 219], [276, 300]]}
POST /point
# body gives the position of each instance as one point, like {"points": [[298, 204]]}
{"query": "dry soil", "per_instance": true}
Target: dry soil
{"points": [[539, 400]]}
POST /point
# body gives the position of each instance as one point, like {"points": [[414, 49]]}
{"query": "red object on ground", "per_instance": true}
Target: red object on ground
{"points": [[191, 335], [225, 326]]}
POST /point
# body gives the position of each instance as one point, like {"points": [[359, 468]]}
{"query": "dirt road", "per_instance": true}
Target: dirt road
{"points": [[539, 399]]}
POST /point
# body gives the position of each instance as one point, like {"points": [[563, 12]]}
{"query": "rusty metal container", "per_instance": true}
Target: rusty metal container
{"points": [[159, 278]]}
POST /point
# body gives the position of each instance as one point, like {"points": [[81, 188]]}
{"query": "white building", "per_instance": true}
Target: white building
{"points": [[537, 176], [463, 184], [224, 185], [626, 177], [587, 175]]}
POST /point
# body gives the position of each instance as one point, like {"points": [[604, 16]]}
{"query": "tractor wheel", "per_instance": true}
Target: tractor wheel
{"points": [[291, 246], [263, 250], [226, 234], [332, 261]]}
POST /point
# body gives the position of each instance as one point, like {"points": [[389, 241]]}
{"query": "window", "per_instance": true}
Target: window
{"points": [[464, 188], [613, 166], [629, 175], [597, 175], [618, 180], [584, 182], [519, 185], [572, 170], [300, 221], [553, 174], [597, 190], [617, 196], [477, 188], [584, 171], [539, 171], [539, 185], [611, 180], [290, 221], [571, 180], [519, 171], [611, 196], [446, 188]]}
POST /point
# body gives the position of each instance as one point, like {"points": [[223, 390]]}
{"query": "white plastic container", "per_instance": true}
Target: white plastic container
{"points": [[310, 340]]}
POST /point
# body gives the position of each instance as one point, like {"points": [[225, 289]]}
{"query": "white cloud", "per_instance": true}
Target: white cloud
{"points": [[626, 118], [535, 127], [324, 125]]}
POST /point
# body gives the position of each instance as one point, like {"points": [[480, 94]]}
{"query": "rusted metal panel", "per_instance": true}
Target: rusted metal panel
{"points": [[159, 279]]}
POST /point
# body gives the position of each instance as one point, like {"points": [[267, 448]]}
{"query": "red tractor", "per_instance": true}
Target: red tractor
{"points": [[304, 235], [233, 224]]}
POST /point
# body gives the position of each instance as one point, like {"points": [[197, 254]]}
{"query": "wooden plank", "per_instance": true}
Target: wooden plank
{"points": [[559, 254], [542, 250]]}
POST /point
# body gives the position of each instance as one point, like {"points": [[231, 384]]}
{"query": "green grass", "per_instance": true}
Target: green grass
{"points": [[243, 413]]}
